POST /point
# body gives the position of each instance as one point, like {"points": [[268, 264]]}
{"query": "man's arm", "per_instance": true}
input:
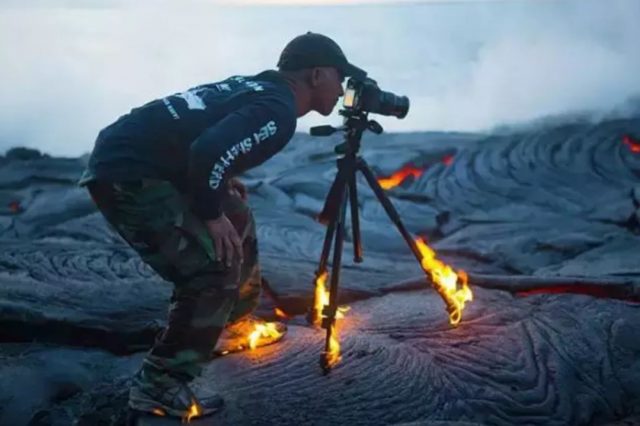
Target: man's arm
{"points": [[241, 140]]}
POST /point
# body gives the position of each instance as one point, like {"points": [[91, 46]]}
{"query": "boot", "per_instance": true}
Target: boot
{"points": [[171, 397]]}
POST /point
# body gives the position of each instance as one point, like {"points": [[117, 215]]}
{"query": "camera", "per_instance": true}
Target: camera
{"points": [[366, 96]]}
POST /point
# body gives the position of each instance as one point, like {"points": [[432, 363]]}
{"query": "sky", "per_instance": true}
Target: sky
{"points": [[71, 67]]}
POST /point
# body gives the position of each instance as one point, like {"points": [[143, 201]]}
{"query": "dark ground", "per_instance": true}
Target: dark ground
{"points": [[553, 208]]}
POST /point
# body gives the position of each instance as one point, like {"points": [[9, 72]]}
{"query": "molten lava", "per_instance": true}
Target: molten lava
{"points": [[398, 177], [451, 286], [599, 291], [14, 207], [633, 144], [408, 170]]}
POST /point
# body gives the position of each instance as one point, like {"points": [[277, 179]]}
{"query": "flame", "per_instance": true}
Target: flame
{"points": [[194, 411], [332, 356], [341, 311], [320, 299], [280, 313], [268, 329], [158, 412], [447, 159], [398, 177], [633, 145], [446, 281]]}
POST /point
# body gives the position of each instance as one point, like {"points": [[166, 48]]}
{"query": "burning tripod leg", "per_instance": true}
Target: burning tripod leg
{"points": [[331, 354], [320, 299], [451, 286], [320, 296], [325, 311], [321, 315]]}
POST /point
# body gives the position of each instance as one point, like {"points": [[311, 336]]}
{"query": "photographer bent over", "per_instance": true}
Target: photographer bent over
{"points": [[163, 177]]}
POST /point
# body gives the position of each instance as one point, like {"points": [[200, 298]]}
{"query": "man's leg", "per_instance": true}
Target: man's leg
{"points": [[241, 323], [250, 284], [156, 221]]}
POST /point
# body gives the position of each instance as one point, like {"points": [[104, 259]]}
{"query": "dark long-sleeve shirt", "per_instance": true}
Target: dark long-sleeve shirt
{"points": [[200, 138]]}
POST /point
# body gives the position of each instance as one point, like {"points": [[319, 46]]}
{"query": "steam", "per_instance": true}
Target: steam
{"points": [[70, 69]]}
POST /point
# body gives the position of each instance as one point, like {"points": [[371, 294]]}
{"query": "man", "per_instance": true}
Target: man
{"points": [[163, 177]]}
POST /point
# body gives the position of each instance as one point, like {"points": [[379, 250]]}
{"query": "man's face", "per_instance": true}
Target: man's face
{"points": [[327, 89]]}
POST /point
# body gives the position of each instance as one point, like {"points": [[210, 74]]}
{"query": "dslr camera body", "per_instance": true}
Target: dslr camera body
{"points": [[364, 95]]}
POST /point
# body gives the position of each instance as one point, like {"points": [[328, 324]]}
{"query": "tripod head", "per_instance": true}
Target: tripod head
{"points": [[354, 125]]}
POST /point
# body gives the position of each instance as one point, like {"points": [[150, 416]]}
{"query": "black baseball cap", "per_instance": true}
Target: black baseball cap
{"points": [[316, 50]]}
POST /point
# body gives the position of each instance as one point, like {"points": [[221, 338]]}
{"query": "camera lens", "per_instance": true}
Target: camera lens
{"points": [[390, 104]]}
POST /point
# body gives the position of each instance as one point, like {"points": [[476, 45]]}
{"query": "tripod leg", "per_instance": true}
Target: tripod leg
{"points": [[331, 354], [355, 219], [329, 216], [334, 197], [451, 286], [326, 246], [389, 208], [315, 313]]}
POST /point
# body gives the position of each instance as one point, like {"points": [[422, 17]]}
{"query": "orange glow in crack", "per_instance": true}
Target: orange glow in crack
{"points": [[634, 145], [398, 177]]}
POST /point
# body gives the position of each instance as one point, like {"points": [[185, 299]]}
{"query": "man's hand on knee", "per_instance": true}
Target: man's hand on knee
{"points": [[226, 240]]}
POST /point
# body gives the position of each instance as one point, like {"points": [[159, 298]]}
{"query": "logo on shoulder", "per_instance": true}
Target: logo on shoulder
{"points": [[193, 100]]}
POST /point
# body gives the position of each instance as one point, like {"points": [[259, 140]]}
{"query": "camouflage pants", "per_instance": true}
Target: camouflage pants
{"points": [[155, 219]]}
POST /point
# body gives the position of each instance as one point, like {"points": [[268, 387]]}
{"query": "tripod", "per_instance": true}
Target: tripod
{"points": [[344, 190]]}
